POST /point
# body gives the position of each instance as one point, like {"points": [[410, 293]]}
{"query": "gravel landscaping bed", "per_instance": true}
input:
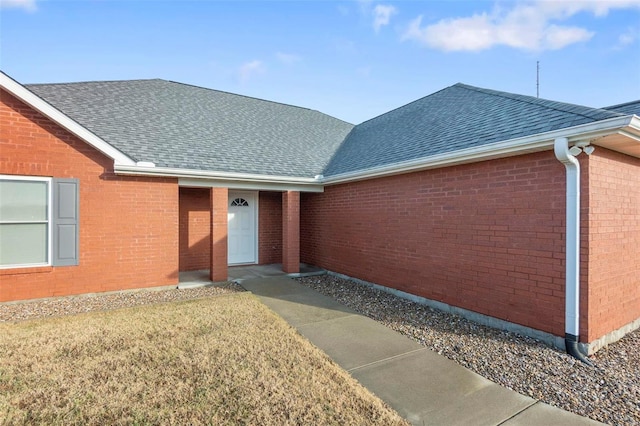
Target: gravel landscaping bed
{"points": [[608, 392], [11, 312]]}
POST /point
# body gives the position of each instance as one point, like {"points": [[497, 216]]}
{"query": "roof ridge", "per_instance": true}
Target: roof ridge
{"points": [[189, 85], [621, 105], [537, 101], [182, 126], [410, 103], [68, 83], [254, 98], [236, 94]]}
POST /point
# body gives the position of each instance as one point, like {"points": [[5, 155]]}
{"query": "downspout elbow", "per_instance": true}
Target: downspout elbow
{"points": [[564, 155], [571, 344]]}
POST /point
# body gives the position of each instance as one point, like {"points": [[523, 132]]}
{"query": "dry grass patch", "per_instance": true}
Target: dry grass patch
{"points": [[220, 360]]}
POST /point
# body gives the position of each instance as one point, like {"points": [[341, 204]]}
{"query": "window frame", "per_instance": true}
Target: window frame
{"points": [[49, 220]]}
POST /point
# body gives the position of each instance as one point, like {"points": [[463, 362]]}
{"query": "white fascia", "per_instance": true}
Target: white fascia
{"points": [[519, 146], [634, 124], [39, 104], [210, 179]]}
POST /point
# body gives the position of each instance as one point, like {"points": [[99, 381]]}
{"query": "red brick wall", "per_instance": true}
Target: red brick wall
{"points": [[195, 229], [291, 232], [488, 237], [128, 226], [270, 228], [218, 212], [614, 241]]}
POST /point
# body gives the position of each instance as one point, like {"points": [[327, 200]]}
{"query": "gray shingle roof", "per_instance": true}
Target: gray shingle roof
{"points": [[187, 127], [181, 126], [629, 108], [454, 118]]}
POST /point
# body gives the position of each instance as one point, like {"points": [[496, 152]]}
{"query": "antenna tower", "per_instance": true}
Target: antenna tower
{"points": [[537, 79]]}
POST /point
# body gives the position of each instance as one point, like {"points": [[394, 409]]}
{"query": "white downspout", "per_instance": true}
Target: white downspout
{"points": [[572, 251]]}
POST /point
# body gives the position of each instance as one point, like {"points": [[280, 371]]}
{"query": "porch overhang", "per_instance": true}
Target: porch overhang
{"points": [[214, 179]]}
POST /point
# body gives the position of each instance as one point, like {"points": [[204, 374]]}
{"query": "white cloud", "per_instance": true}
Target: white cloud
{"points": [[287, 58], [364, 6], [382, 15], [628, 37], [28, 5], [598, 8], [250, 70], [527, 26], [557, 37]]}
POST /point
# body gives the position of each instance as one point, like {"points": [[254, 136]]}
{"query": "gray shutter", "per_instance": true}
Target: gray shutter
{"points": [[65, 222]]}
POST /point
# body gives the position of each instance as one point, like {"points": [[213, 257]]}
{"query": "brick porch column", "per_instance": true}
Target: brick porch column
{"points": [[291, 231], [219, 202]]}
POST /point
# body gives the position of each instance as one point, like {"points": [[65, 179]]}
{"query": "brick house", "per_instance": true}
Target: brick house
{"points": [[470, 199]]}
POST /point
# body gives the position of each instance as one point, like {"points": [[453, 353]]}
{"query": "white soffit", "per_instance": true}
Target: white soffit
{"points": [[626, 140], [248, 186], [207, 179]]}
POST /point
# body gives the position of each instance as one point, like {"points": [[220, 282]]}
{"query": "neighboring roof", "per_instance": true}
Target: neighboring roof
{"points": [[632, 107], [181, 126], [455, 118]]}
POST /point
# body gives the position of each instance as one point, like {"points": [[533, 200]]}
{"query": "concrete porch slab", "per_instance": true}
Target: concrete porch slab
{"points": [[247, 272], [194, 279], [200, 278], [275, 286]]}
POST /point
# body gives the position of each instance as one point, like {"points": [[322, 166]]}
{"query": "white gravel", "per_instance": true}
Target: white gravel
{"points": [[43, 308], [608, 392]]}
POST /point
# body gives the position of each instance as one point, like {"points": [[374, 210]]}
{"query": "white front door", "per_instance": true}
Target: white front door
{"points": [[242, 240]]}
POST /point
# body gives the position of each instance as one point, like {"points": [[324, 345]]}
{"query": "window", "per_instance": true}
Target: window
{"points": [[25, 209], [240, 202], [38, 221]]}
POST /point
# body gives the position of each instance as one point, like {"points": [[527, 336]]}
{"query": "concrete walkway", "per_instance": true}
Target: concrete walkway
{"points": [[424, 387]]}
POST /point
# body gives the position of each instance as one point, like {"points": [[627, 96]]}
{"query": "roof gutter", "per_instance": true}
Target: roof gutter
{"points": [[519, 146], [203, 178]]}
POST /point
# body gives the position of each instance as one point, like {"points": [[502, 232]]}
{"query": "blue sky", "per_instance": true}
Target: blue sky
{"points": [[350, 59]]}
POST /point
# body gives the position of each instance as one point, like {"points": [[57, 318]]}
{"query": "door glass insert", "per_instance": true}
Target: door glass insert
{"points": [[240, 202]]}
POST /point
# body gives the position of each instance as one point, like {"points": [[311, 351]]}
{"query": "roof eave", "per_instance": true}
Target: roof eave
{"points": [[209, 179], [512, 147], [45, 108], [625, 140]]}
